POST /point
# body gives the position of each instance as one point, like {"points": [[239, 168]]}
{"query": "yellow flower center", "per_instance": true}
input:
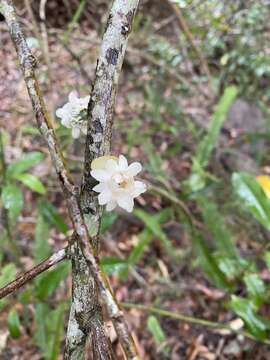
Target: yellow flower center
{"points": [[123, 184]]}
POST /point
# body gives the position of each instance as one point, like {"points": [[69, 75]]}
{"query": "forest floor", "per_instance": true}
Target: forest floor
{"points": [[155, 280]]}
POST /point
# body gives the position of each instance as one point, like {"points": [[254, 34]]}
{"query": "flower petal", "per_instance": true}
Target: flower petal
{"points": [[100, 175], [111, 166], [139, 188], [100, 162], [111, 205], [134, 168], [100, 187], [123, 164], [66, 122], [59, 112], [75, 132], [126, 202], [73, 96], [104, 197], [84, 101]]}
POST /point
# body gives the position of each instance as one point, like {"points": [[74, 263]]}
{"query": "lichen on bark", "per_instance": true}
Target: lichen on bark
{"points": [[98, 143]]}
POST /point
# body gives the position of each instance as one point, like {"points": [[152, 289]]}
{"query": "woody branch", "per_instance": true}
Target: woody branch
{"points": [[28, 64]]}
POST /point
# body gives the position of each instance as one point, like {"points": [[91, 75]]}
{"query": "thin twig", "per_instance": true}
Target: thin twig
{"points": [[185, 28], [77, 58], [28, 64], [174, 74], [33, 22], [74, 21], [32, 273], [42, 14], [192, 320], [175, 200], [42, 37]]}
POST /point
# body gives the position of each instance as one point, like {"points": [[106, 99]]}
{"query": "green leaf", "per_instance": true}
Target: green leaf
{"points": [[14, 324], [208, 143], [57, 330], [153, 224], [51, 215], [256, 288], [32, 182], [244, 308], [41, 248], [113, 265], [23, 164], [24, 297], [267, 259], [155, 329], [42, 312], [216, 225], [233, 268], [49, 329], [7, 274], [46, 283], [253, 197], [144, 239], [208, 262], [12, 198], [107, 220], [197, 179], [30, 130]]}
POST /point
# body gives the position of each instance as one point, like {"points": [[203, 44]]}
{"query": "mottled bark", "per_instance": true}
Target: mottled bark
{"points": [[84, 243], [100, 120], [85, 314]]}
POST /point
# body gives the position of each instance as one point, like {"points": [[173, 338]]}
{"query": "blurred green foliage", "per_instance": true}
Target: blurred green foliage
{"points": [[234, 38]]}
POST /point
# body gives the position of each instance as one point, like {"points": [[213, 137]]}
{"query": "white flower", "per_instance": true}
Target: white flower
{"points": [[73, 114], [117, 185]]}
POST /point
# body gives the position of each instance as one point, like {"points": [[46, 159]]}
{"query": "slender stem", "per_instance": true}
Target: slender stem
{"points": [[172, 198], [190, 319], [32, 273], [185, 28], [173, 73], [41, 36], [28, 64], [34, 24], [74, 21], [42, 14], [77, 58]]}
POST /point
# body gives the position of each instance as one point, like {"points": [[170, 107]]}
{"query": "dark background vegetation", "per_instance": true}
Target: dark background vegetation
{"points": [[193, 107]]}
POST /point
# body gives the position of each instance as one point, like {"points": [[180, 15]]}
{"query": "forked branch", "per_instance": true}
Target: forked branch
{"points": [[28, 64]]}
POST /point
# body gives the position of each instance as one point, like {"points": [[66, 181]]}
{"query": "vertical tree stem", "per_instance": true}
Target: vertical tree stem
{"points": [[98, 142]]}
